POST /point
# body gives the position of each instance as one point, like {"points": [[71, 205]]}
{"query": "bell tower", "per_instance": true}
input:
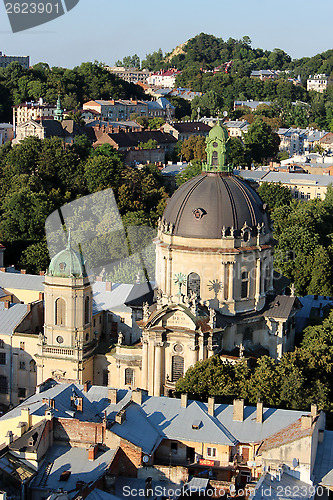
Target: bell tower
{"points": [[66, 347]]}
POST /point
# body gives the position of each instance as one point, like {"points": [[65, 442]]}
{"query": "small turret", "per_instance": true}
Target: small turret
{"points": [[59, 112], [217, 150]]}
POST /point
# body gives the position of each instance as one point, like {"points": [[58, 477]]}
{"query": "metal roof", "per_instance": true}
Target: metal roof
{"points": [[21, 281], [160, 417], [75, 460], [10, 318], [299, 179], [285, 487], [110, 301]]}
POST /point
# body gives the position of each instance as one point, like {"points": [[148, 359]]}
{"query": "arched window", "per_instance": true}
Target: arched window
{"points": [[60, 312], [87, 311], [3, 385], [32, 365], [129, 376], [215, 158], [193, 284], [177, 368], [245, 285]]}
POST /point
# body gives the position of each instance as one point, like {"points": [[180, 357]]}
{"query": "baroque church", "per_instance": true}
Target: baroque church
{"points": [[216, 292]]}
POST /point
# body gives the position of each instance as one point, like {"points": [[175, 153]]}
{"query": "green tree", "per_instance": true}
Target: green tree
{"points": [[260, 142], [192, 170], [102, 172], [194, 148], [274, 194]]}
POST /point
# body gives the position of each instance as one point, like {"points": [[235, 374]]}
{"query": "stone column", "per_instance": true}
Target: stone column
{"points": [[258, 279], [144, 381], [151, 367], [231, 281], [201, 348], [170, 275], [158, 367]]}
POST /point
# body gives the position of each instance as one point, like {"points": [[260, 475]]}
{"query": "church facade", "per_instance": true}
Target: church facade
{"points": [[215, 293]]}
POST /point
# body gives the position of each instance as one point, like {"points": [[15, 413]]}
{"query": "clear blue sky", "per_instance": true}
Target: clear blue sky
{"points": [[107, 30]]}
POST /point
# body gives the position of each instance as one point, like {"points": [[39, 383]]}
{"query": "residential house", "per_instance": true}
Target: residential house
{"points": [[250, 104], [131, 75], [318, 83], [161, 108], [82, 437], [184, 130], [302, 186], [35, 111], [6, 132], [120, 109], [7, 60], [265, 74], [66, 130], [236, 128], [164, 78]]}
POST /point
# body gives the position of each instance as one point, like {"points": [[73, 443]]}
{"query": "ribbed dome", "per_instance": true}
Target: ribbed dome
{"points": [[67, 263], [202, 206]]}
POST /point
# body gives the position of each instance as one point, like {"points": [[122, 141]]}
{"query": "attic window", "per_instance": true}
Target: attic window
{"points": [[196, 424], [64, 476]]}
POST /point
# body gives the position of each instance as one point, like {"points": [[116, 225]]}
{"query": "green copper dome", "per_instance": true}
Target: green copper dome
{"points": [[217, 150], [67, 264]]}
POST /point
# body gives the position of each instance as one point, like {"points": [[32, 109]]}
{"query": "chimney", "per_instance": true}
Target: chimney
{"points": [[98, 278], [238, 410], [23, 271], [9, 438], [260, 411], [314, 410], [86, 386], [211, 404], [41, 296], [183, 401], [41, 273], [7, 304], [92, 452], [306, 422], [137, 396], [22, 427], [120, 417], [3, 269], [26, 417], [112, 396], [108, 286]]}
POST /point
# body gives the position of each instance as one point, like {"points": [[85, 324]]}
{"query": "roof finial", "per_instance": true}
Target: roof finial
{"points": [[69, 240]]}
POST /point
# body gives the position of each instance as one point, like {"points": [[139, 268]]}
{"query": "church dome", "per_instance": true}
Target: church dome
{"points": [[206, 204], [67, 263]]}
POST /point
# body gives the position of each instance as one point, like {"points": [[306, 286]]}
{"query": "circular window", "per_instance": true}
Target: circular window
{"points": [[178, 348], [60, 339], [215, 144]]}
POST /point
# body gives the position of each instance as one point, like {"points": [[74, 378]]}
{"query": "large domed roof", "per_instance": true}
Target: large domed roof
{"points": [[202, 206]]}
